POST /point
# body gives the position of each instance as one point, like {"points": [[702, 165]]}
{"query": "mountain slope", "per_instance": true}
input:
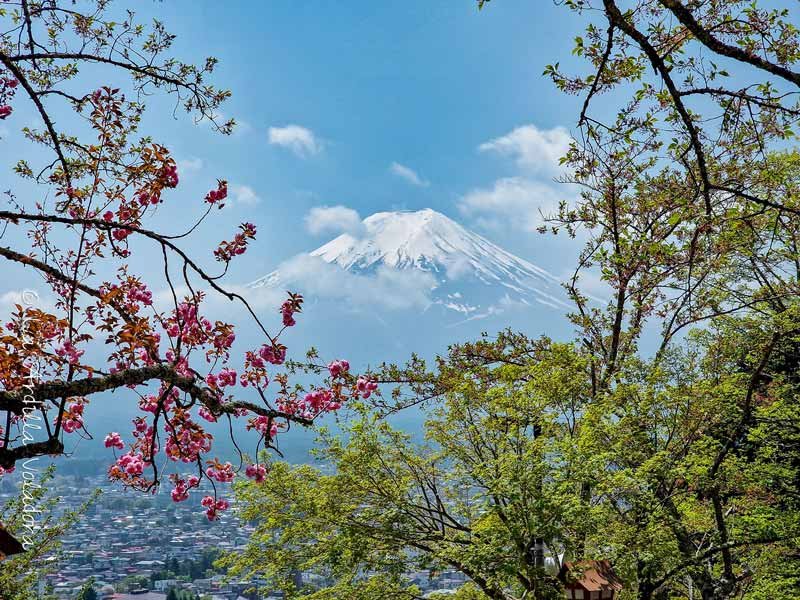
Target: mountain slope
{"points": [[472, 275]]}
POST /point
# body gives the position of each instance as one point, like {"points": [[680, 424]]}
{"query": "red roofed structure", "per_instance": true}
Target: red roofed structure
{"points": [[590, 580]]}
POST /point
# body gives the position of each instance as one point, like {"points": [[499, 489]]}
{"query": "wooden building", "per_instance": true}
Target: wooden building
{"points": [[590, 580]]}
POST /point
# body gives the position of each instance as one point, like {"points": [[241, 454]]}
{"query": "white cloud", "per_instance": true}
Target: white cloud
{"points": [[535, 150], [516, 201], [386, 288], [27, 298], [408, 174], [298, 139], [243, 194], [458, 268], [164, 300], [335, 219], [241, 126], [187, 166]]}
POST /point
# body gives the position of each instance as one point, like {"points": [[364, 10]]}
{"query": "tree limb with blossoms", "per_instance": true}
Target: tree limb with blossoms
{"points": [[95, 199]]}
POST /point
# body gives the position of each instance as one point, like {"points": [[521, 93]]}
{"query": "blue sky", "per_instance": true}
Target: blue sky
{"points": [[394, 105], [421, 84], [454, 96]]}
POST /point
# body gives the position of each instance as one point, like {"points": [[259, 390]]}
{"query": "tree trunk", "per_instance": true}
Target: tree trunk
{"points": [[645, 588]]}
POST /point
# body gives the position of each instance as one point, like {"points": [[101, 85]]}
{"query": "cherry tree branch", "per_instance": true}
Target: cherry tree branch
{"points": [[108, 226], [685, 16]]}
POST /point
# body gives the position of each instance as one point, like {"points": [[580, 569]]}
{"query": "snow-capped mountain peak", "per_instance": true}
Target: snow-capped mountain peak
{"points": [[470, 271]]}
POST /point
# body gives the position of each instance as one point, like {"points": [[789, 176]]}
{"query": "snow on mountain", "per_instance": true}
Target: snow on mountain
{"points": [[468, 273]]}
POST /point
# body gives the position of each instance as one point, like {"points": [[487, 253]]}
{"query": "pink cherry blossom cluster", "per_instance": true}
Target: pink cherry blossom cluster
{"points": [[179, 363], [338, 368], [287, 310], [314, 403], [68, 351], [139, 293], [274, 354], [194, 330], [319, 401], [256, 472], [220, 472], [264, 425], [218, 195], [120, 234], [253, 361], [147, 198], [114, 440], [169, 174], [365, 387], [132, 464], [186, 325], [150, 403], [186, 440], [143, 433], [72, 418], [224, 341], [7, 89], [238, 245], [143, 355], [182, 486], [226, 377], [254, 370], [206, 414], [213, 507]]}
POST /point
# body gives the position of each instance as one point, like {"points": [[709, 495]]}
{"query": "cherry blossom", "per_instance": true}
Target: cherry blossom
{"points": [[113, 440], [68, 351], [218, 195], [227, 250], [213, 507], [338, 368], [220, 472], [256, 472], [191, 376], [273, 354], [365, 387]]}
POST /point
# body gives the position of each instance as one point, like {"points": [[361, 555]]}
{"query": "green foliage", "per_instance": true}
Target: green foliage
{"points": [[130, 583], [31, 518], [518, 454], [680, 465], [190, 569], [496, 477], [87, 591], [466, 592]]}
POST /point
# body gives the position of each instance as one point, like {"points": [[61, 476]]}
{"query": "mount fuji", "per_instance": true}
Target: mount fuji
{"points": [[457, 269]]}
